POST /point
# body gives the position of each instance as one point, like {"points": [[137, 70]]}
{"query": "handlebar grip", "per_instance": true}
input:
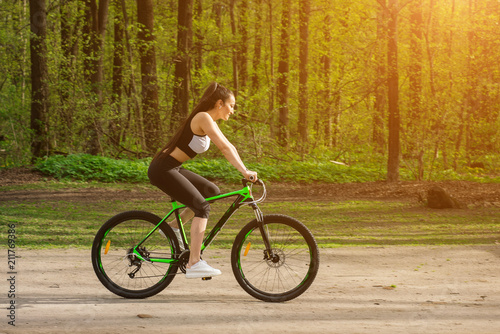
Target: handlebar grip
{"points": [[252, 178], [244, 182]]}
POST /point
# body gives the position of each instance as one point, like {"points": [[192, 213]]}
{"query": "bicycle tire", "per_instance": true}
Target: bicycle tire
{"points": [[289, 273], [114, 264]]}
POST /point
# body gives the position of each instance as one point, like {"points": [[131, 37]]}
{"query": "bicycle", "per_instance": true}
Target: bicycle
{"points": [[274, 258]]}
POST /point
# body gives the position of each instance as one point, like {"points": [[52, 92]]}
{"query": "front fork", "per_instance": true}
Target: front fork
{"points": [[265, 237]]}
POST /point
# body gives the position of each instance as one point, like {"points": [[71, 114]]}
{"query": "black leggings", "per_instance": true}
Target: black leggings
{"points": [[182, 185]]}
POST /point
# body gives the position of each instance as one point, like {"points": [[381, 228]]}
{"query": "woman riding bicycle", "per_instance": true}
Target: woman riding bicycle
{"points": [[191, 189]]}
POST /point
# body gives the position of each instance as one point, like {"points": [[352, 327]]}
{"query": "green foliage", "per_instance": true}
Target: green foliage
{"points": [[14, 86], [84, 167], [458, 123]]}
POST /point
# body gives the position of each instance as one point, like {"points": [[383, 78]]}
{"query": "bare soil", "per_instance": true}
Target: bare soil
{"points": [[468, 193], [358, 289]]}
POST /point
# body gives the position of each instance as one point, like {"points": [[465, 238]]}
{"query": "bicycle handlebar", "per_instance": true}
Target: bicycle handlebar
{"points": [[258, 182], [252, 178]]}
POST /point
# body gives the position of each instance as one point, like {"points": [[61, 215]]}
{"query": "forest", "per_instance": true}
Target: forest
{"points": [[404, 84]]}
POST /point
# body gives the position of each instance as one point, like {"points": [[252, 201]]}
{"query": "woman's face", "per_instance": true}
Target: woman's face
{"points": [[227, 108]]}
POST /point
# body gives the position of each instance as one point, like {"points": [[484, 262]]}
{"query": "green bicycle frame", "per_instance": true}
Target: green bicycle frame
{"points": [[243, 195]]}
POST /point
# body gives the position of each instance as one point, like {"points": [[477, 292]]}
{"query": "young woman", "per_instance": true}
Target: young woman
{"points": [[194, 137]]}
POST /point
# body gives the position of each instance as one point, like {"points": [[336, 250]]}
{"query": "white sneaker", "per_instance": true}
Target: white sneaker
{"points": [[178, 235], [201, 269]]}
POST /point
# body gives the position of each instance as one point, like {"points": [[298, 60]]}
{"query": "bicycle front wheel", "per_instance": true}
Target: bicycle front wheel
{"points": [[285, 273], [123, 272]]}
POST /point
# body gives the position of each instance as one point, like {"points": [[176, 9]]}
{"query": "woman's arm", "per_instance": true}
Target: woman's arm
{"points": [[211, 129]]}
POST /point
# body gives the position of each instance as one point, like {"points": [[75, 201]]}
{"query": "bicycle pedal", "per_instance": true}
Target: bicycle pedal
{"points": [[206, 278]]}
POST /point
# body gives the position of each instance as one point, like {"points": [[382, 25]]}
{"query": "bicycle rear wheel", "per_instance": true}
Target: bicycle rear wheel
{"points": [[285, 274], [119, 269]]}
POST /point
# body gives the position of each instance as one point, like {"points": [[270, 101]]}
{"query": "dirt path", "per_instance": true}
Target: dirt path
{"points": [[472, 194], [357, 290]]}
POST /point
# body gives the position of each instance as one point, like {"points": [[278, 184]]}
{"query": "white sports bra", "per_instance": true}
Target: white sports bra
{"points": [[192, 144], [199, 144]]}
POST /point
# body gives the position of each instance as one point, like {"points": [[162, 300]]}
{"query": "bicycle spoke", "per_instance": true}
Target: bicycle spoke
{"points": [[282, 274], [118, 266]]}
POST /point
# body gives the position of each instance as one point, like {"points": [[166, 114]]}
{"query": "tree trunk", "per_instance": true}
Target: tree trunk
{"points": [[217, 17], [414, 124], [458, 137], [243, 45], [133, 101], [115, 126], [415, 69], [304, 12], [69, 25], [198, 44], [380, 82], [235, 48], [39, 79], [271, 67], [283, 71], [180, 105], [151, 117], [97, 15], [336, 116], [393, 94], [257, 46], [473, 84], [325, 118]]}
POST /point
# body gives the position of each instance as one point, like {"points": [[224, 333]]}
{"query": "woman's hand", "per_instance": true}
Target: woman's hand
{"points": [[250, 176]]}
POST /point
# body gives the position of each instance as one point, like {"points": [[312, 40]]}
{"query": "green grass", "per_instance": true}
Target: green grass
{"points": [[61, 224], [392, 223]]}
